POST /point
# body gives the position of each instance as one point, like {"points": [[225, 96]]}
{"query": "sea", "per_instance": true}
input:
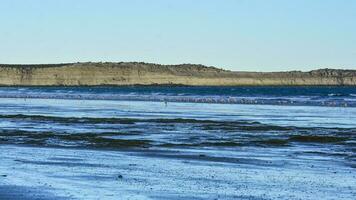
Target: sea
{"points": [[178, 142]]}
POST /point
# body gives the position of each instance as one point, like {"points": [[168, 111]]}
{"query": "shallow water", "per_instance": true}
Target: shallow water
{"points": [[94, 143], [309, 96]]}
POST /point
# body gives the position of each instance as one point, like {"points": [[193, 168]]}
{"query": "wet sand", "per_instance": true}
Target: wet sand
{"points": [[10, 192], [93, 174]]}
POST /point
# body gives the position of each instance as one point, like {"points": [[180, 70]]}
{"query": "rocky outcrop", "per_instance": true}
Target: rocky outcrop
{"points": [[77, 74]]}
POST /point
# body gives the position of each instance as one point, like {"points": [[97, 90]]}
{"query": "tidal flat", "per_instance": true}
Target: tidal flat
{"points": [[59, 148]]}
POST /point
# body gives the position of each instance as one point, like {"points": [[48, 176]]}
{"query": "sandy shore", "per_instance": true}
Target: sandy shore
{"points": [[8, 192], [89, 174]]}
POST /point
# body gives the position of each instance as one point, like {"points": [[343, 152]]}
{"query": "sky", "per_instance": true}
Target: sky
{"points": [[239, 35]]}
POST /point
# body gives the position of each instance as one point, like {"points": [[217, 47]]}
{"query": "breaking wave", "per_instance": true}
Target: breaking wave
{"points": [[290, 101]]}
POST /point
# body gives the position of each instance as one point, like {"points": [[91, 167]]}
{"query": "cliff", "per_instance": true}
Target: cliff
{"points": [[76, 74]]}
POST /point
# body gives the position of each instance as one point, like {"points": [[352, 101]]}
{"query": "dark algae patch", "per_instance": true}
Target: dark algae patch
{"points": [[118, 133], [94, 140], [317, 139]]}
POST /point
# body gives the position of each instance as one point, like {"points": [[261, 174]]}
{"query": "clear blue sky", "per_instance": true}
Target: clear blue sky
{"points": [[261, 35]]}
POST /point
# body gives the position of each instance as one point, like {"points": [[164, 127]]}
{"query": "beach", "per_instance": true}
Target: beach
{"points": [[63, 148], [85, 174]]}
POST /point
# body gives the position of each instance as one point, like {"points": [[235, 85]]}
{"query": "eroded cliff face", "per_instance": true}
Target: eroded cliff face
{"points": [[152, 74]]}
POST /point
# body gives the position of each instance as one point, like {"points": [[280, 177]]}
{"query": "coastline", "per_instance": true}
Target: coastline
{"points": [[146, 74]]}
